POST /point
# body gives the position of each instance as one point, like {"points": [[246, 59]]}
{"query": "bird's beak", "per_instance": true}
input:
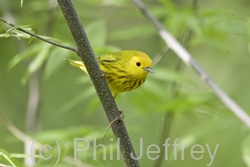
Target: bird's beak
{"points": [[149, 69]]}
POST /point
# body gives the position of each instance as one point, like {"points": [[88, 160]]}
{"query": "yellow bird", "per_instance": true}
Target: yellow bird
{"points": [[124, 70]]}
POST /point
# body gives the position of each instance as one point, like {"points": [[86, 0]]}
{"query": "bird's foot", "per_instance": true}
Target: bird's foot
{"points": [[104, 73], [121, 115]]}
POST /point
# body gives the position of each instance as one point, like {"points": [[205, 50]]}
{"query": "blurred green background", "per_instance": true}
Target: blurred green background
{"points": [[173, 103]]}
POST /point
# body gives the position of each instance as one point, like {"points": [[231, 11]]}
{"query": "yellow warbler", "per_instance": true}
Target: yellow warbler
{"points": [[124, 70]]}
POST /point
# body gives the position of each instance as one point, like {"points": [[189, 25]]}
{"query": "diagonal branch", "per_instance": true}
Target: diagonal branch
{"points": [[39, 37], [186, 57], [27, 139], [86, 54], [15, 131]]}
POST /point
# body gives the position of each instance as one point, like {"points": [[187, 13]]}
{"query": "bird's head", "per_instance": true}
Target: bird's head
{"points": [[140, 64]]}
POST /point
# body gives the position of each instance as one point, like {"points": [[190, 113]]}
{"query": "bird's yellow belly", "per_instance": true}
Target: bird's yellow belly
{"points": [[123, 83]]}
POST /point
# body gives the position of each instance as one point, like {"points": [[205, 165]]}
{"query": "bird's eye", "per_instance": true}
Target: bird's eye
{"points": [[138, 64]]}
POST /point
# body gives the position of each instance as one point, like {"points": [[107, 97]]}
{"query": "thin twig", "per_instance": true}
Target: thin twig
{"points": [[39, 37], [16, 132], [160, 55], [186, 57], [3, 165], [105, 132]]}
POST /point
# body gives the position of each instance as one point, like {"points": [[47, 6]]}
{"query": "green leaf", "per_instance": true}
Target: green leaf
{"points": [[184, 103], [21, 3], [50, 38], [106, 2], [248, 34], [169, 6], [36, 62], [193, 23], [4, 35], [105, 49], [245, 150], [27, 53], [89, 91], [19, 34], [8, 158], [133, 32], [163, 74], [202, 132], [31, 39], [16, 155], [93, 105], [151, 94], [49, 135], [114, 2], [159, 11], [97, 33], [55, 60], [25, 27]]}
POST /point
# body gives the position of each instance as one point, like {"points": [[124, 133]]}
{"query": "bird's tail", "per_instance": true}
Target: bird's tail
{"points": [[78, 64]]}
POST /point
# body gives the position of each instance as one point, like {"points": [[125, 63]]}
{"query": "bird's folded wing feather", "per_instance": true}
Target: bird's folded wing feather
{"points": [[109, 58]]}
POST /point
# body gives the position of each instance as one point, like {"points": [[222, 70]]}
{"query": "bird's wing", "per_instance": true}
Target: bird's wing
{"points": [[109, 58]]}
